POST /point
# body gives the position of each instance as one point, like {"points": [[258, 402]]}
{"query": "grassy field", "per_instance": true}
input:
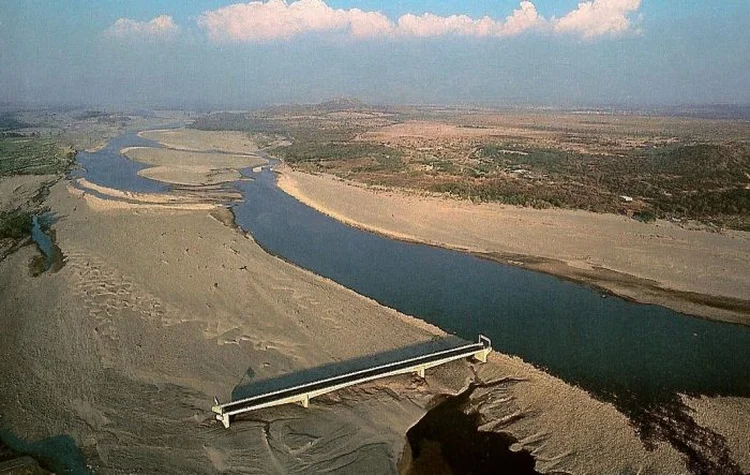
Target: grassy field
{"points": [[643, 166], [22, 154], [30, 155], [15, 224]]}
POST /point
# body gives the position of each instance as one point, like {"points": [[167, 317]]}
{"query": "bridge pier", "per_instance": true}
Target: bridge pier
{"points": [[482, 355]]}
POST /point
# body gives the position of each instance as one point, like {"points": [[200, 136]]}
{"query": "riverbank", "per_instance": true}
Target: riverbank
{"points": [[691, 271]]}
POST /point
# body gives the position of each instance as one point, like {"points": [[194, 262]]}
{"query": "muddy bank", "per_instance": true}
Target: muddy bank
{"points": [[56, 454], [712, 307]]}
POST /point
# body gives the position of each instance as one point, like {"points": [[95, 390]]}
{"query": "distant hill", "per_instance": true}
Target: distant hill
{"points": [[343, 103], [10, 122]]}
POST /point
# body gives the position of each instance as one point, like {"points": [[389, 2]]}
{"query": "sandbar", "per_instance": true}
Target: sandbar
{"points": [[202, 140]]}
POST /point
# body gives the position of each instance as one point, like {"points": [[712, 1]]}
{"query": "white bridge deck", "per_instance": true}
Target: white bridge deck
{"points": [[304, 392]]}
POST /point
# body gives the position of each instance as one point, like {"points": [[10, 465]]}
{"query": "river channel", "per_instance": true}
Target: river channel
{"points": [[632, 354]]}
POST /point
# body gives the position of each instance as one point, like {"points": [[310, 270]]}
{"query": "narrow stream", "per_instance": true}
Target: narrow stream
{"points": [[51, 258]]}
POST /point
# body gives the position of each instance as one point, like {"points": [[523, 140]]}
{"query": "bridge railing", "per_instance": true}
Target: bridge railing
{"points": [[304, 392]]}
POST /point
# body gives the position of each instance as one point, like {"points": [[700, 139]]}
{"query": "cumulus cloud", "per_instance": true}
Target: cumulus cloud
{"points": [[524, 18], [161, 27], [598, 17], [261, 20], [276, 19]]}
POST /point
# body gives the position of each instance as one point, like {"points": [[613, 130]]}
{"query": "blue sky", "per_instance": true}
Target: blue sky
{"points": [[154, 53]]}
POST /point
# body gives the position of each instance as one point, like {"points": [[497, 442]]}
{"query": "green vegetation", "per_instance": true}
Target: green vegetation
{"points": [[706, 182], [315, 142], [91, 114], [27, 155], [15, 224], [325, 150], [236, 121], [644, 216]]}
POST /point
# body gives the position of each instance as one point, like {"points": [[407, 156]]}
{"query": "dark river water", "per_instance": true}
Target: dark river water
{"points": [[107, 167], [636, 356]]}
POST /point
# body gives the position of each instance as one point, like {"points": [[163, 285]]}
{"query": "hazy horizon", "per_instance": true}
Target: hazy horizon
{"points": [[216, 54]]}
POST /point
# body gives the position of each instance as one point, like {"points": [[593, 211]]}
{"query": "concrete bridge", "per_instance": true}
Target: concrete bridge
{"points": [[302, 393]]}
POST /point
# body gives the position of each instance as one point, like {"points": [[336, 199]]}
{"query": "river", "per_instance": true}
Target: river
{"points": [[631, 354]]}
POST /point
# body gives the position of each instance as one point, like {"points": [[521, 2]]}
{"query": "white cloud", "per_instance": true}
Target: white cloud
{"points": [[261, 20], [598, 17], [161, 27], [433, 25], [367, 24], [276, 19], [524, 18]]}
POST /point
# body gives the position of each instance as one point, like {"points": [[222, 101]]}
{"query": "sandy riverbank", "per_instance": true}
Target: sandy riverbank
{"points": [[692, 271], [154, 313], [17, 190], [157, 310]]}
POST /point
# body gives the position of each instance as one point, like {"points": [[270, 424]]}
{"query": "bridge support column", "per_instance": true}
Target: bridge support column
{"points": [[306, 401], [225, 420], [482, 355], [420, 372]]}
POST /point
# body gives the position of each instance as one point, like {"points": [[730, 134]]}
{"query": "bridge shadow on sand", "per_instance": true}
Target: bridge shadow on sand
{"points": [[264, 386]]}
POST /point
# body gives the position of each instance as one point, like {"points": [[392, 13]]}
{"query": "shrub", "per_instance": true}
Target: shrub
{"points": [[15, 224]]}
